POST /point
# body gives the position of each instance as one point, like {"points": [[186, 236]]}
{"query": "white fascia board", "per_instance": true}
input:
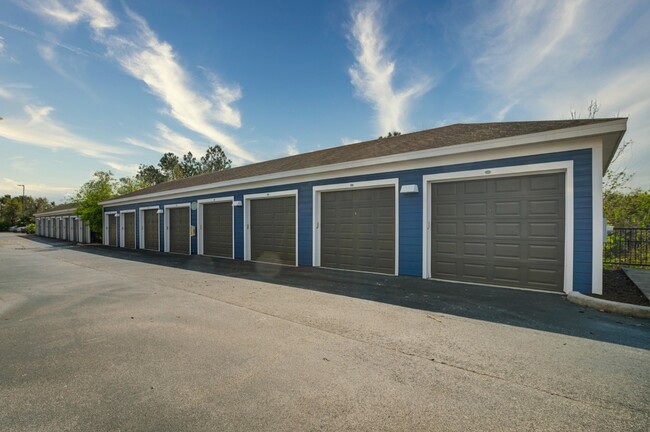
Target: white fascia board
{"points": [[395, 162], [70, 212]]}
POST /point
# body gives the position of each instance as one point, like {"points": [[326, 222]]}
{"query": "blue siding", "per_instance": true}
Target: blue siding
{"points": [[410, 211]]}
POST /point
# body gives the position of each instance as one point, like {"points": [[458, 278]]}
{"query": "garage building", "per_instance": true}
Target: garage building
{"points": [[515, 204], [61, 222]]}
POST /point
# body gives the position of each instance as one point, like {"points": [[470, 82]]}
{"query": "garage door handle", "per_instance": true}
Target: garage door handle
{"points": [[317, 225]]}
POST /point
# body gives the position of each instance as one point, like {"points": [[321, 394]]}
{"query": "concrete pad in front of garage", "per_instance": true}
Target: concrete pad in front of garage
{"points": [[90, 342]]}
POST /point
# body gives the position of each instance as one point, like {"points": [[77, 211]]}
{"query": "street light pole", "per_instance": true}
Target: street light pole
{"points": [[23, 199]]}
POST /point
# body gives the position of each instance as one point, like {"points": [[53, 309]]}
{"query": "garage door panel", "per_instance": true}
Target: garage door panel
{"points": [[273, 230], [510, 184], [545, 229], [475, 229], [518, 242], [507, 229], [445, 210], [362, 222]]}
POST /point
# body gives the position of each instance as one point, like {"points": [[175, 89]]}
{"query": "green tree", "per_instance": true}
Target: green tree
{"points": [[149, 175], [214, 160], [170, 166], [190, 166], [99, 188], [127, 185]]}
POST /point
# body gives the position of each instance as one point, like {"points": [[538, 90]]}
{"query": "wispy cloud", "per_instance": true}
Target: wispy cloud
{"points": [[129, 169], [68, 12], [37, 127], [544, 58], [373, 73], [166, 140], [9, 186], [292, 147], [346, 141], [141, 54]]}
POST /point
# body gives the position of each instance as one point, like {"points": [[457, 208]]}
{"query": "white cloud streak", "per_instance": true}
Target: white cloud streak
{"points": [[372, 74], [141, 54], [166, 140], [9, 186], [544, 58], [38, 128]]}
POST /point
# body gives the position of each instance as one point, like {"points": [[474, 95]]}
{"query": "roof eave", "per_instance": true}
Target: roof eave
{"points": [[609, 127]]}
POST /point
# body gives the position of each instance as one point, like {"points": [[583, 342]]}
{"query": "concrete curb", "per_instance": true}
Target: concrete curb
{"points": [[609, 306]]}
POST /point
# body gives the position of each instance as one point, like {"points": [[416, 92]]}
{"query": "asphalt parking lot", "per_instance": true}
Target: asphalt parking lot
{"points": [[93, 338]]}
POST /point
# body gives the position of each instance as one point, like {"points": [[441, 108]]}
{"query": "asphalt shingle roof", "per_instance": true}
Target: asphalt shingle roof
{"points": [[445, 136], [58, 208]]}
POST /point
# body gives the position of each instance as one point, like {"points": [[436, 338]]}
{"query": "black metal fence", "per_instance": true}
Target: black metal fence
{"points": [[628, 247]]}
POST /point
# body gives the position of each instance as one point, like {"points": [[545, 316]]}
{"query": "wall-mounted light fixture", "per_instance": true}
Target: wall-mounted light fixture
{"points": [[117, 214], [160, 211], [406, 189], [236, 204]]}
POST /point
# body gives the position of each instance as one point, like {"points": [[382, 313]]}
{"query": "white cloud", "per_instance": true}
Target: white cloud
{"points": [[9, 186], [154, 62], [542, 59], [346, 141], [166, 140], [141, 54], [130, 169], [2, 45], [372, 74], [38, 128], [71, 12], [292, 148]]}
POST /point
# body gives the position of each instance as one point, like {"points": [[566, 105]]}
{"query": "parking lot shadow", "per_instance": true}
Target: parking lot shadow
{"points": [[534, 310]]}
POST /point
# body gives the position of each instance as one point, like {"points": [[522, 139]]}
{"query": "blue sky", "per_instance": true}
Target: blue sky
{"points": [[96, 85]]}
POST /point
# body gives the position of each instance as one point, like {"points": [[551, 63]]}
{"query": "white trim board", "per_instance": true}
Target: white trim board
{"points": [[509, 171], [106, 227], [166, 222], [316, 213], [199, 221], [266, 195]]}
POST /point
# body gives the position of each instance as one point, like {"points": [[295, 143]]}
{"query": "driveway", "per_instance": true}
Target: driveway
{"points": [[90, 340]]}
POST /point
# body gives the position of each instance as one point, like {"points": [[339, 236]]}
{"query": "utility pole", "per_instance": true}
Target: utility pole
{"points": [[23, 199]]}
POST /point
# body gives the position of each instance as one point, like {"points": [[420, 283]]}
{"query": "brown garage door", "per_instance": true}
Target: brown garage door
{"points": [[273, 230], [151, 230], [506, 231], [129, 230], [179, 230], [217, 229], [358, 230], [112, 230]]}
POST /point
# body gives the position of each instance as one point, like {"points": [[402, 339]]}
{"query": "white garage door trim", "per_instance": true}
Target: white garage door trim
{"points": [[546, 168], [106, 216], [316, 214], [166, 222], [247, 218], [199, 222]]}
